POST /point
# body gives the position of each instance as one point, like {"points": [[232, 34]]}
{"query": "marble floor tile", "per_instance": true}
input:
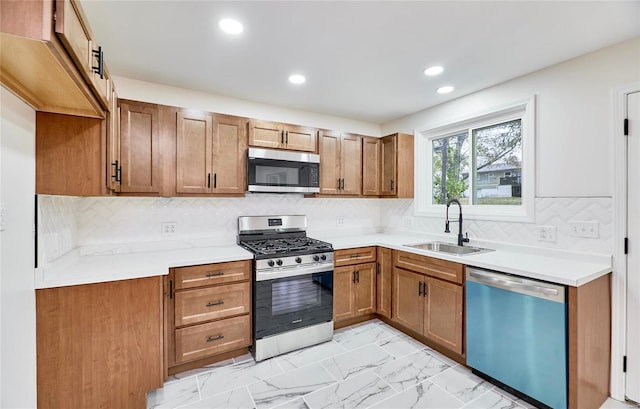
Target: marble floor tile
{"points": [[611, 403], [411, 370], [357, 361], [401, 345], [426, 395], [359, 391], [462, 384], [174, 394], [390, 328], [310, 355], [234, 399], [236, 375], [516, 399], [290, 385], [492, 400], [363, 335], [294, 404]]}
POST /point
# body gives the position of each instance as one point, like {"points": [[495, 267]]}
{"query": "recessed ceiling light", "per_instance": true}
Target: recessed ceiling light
{"points": [[445, 90], [435, 70], [297, 79], [230, 26]]}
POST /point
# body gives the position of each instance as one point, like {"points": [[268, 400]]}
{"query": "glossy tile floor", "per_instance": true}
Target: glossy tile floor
{"points": [[366, 365]]}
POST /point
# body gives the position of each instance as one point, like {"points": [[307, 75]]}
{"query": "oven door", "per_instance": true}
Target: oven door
{"points": [[279, 171], [289, 303]]}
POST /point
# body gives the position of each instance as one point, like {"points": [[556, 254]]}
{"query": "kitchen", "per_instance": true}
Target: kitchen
{"points": [[575, 106]]}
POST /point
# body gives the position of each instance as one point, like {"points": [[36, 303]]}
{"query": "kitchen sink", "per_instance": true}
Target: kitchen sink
{"points": [[448, 248]]}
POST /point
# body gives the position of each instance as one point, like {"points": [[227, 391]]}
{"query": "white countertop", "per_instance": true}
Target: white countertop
{"points": [[574, 269], [82, 267], [74, 268]]}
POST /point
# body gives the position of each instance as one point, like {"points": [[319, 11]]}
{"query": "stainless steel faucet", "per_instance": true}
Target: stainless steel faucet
{"points": [[461, 239]]}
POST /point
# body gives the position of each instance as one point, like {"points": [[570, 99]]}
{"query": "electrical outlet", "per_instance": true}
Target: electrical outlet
{"points": [[547, 233], [589, 230], [169, 228], [339, 220], [3, 218]]}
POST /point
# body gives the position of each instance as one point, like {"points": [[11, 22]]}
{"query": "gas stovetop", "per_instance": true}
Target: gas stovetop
{"points": [[292, 246]]}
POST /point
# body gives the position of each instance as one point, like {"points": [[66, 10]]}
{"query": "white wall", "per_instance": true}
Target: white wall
{"points": [[574, 145], [166, 95], [17, 295]]}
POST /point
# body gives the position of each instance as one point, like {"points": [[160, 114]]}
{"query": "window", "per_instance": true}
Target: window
{"points": [[486, 162]]}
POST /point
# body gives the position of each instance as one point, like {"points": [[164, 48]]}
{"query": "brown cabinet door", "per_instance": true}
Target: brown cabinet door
{"points": [[194, 136], [71, 30], [199, 341], [330, 173], [113, 143], [383, 282], [210, 274], [443, 313], [408, 302], [435, 267], [229, 155], [343, 296], [358, 255], [299, 138], [388, 166], [351, 164], [265, 134], [371, 167], [365, 289], [210, 303], [139, 147]]}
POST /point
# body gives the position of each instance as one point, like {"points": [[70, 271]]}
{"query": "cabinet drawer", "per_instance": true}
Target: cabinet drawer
{"points": [[205, 304], [446, 270], [209, 339], [207, 274], [354, 256]]}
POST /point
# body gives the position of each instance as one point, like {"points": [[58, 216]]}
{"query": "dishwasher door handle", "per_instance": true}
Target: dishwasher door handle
{"points": [[530, 287]]}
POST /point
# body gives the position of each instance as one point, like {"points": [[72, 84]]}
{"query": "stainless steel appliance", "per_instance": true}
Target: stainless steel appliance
{"points": [[517, 335], [277, 171], [292, 286]]}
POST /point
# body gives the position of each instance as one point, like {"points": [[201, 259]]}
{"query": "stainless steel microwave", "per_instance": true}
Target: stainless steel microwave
{"points": [[278, 171]]}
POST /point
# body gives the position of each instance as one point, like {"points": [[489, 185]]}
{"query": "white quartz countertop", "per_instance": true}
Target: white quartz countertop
{"points": [[75, 269], [558, 267], [80, 267]]}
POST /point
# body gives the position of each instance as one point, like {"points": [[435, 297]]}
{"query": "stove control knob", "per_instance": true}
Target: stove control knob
{"points": [[316, 258], [279, 262], [324, 256], [271, 263], [298, 260]]}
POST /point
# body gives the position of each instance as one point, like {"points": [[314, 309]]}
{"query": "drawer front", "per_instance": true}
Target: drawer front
{"points": [[354, 256], [205, 304], [208, 274], [204, 340], [445, 270]]}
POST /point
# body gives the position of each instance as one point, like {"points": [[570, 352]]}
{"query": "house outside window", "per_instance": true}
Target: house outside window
{"points": [[486, 162]]}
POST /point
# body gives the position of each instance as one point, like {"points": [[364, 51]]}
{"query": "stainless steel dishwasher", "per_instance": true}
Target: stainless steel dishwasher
{"points": [[517, 335]]}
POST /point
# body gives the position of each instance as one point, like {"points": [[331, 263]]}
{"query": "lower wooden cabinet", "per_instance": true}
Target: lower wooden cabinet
{"points": [[207, 313], [354, 291], [383, 282], [99, 345], [429, 306]]}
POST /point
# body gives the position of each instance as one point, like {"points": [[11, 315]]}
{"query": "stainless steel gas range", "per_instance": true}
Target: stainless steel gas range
{"points": [[292, 284]]}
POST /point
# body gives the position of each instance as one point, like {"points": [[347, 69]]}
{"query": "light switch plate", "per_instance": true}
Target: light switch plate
{"points": [[590, 230], [547, 233], [169, 228]]}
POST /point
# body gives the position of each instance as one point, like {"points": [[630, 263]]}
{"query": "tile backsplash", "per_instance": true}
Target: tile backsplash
{"points": [[70, 222]]}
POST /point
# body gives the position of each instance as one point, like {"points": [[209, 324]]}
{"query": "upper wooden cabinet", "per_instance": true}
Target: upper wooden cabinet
{"points": [[281, 136], [49, 58], [371, 175], [139, 148], [397, 166], [210, 154], [340, 163], [69, 155]]}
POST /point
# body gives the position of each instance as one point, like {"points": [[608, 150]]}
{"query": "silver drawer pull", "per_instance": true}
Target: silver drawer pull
{"points": [[214, 303], [216, 274], [211, 339]]}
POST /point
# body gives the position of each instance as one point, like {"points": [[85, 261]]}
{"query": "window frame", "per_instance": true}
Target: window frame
{"points": [[423, 204]]}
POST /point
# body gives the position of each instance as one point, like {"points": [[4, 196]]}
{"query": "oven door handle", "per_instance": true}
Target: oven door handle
{"points": [[292, 272]]}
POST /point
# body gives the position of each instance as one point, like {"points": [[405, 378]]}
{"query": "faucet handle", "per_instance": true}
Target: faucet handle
{"points": [[466, 238]]}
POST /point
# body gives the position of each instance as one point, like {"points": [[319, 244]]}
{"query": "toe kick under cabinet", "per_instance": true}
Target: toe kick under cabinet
{"points": [[207, 314]]}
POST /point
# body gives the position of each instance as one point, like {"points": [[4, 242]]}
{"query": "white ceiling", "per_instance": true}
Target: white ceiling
{"points": [[362, 59]]}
